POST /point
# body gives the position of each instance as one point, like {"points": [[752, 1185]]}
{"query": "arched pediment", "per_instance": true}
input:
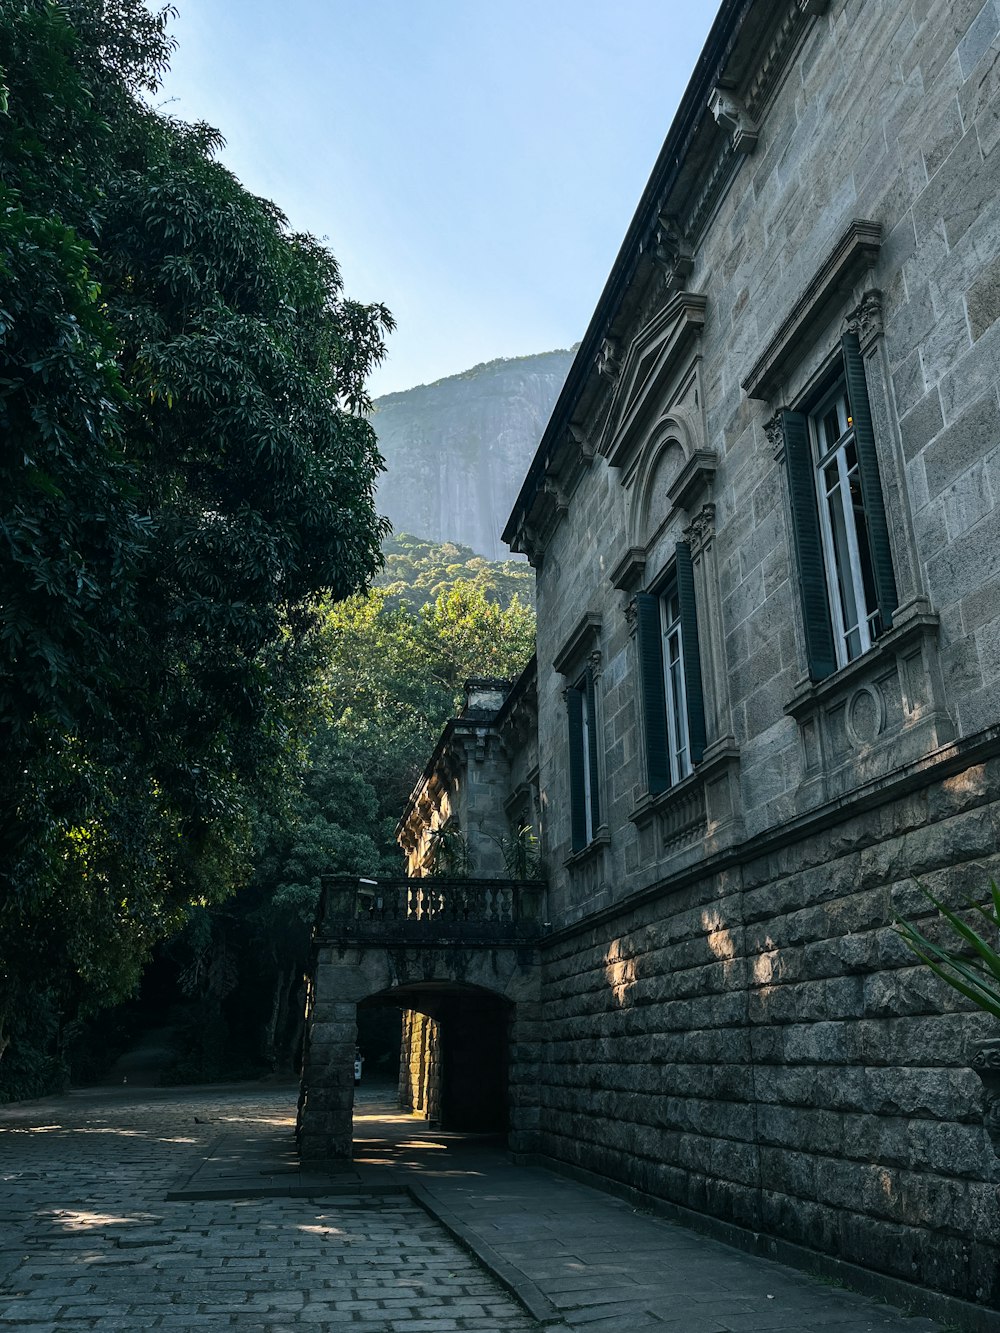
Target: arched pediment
{"points": [[649, 368], [662, 463]]}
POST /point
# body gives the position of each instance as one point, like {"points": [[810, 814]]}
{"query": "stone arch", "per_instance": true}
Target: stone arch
{"points": [[455, 1052], [671, 445], [506, 981]]}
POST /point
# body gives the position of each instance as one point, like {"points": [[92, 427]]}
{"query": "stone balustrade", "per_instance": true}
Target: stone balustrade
{"points": [[438, 911]]}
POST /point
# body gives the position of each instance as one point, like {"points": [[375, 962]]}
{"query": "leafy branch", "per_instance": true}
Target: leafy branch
{"points": [[975, 974]]}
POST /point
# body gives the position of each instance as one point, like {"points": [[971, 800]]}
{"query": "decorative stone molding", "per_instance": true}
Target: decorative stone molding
{"points": [[703, 809], [582, 444], [608, 360], [655, 360], [775, 432], [776, 57], [561, 501], [672, 252], [881, 711], [866, 320], [583, 642], [985, 1060], [855, 252], [730, 112], [628, 573], [631, 616], [694, 480], [700, 532]]}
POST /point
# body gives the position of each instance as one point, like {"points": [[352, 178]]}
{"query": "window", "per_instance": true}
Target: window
{"points": [[581, 701], [670, 673], [850, 574], [846, 580], [678, 740]]}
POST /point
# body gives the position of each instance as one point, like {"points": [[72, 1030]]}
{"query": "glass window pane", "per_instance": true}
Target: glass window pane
{"points": [[842, 558]]}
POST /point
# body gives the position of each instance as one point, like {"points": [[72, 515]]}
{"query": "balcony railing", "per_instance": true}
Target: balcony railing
{"points": [[435, 911]]}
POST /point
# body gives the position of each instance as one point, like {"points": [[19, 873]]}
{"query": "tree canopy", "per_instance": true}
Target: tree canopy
{"points": [[187, 470]]}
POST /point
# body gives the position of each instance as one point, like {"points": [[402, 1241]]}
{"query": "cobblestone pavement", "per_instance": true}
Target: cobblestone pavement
{"points": [[132, 1208], [87, 1239]]}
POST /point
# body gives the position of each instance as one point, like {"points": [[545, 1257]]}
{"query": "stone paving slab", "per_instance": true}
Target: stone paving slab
{"points": [[88, 1239]]}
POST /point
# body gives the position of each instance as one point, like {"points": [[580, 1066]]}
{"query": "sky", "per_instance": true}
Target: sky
{"points": [[474, 166]]}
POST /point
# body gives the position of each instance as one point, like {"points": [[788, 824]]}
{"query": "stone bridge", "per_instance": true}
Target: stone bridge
{"points": [[460, 952]]}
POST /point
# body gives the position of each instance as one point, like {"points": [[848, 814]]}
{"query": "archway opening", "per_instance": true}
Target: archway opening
{"points": [[454, 1043]]}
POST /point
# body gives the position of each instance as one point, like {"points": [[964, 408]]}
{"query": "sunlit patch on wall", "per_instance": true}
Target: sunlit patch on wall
{"points": [[620, 971]]}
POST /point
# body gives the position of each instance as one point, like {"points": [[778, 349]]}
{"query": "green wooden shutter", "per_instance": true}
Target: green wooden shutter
{"points": [[654, 698], [577, 786], [808, 546], [595, 795], [871, 485], [692, 654]]}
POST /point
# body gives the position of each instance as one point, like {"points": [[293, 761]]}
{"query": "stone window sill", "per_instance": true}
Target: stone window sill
{"points": [[706, 803], [597, 844], [881, 711]]}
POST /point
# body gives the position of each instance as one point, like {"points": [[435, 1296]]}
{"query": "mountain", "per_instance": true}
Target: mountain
{"points": [[457, 450]]}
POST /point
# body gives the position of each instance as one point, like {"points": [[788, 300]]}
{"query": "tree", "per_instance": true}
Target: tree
{"points": [[391, 678], [187, 471]]}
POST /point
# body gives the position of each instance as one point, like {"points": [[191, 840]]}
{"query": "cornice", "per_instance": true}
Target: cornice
{"points": [[856, 251], [745, 57]]}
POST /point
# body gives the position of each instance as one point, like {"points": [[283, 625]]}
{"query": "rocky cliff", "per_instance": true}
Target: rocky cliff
{"points": [[457, 450]]}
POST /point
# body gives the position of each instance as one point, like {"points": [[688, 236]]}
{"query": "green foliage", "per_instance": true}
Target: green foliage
{"points": [[187, 471], [391, 678], [450, 857], [521, 853], [417, 572], [972, 965]]}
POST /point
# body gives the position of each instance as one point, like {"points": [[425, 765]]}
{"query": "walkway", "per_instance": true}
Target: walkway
{"points": [[132, 1209]]}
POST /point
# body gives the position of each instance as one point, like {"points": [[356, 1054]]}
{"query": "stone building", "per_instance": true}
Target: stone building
{"points": [[764, 521]]}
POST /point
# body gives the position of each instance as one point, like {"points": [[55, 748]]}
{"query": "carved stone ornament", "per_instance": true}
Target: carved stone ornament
{"points": [[985, 1060], [701, 530], [551, 487], [631, 615], [866, 320], [672, 252], [609, 360], [775, 433], [582, 442], [594, 662], [731, 114]]}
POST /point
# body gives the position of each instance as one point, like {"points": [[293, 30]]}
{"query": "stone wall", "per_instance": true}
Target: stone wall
{"points": [[420, 1065], [470, 988], [757, 1044], [887, 111]]}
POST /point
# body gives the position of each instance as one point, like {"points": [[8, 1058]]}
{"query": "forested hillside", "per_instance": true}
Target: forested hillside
{"points": [[417, 571]]}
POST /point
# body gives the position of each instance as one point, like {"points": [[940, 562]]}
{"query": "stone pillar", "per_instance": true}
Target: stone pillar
{"points": [[523, 1092], [326, 1109]]}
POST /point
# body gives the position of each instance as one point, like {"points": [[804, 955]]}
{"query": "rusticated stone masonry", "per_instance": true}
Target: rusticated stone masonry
{"points": [[759, 1045]]}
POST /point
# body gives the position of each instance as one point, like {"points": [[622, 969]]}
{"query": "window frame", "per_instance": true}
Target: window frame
{"points": [[584, 760], [668, 763], [818, 567], [853, 567], [675, 683]]}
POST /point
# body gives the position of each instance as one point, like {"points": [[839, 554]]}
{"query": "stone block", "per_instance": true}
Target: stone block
{"points": [[962, 444]]}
